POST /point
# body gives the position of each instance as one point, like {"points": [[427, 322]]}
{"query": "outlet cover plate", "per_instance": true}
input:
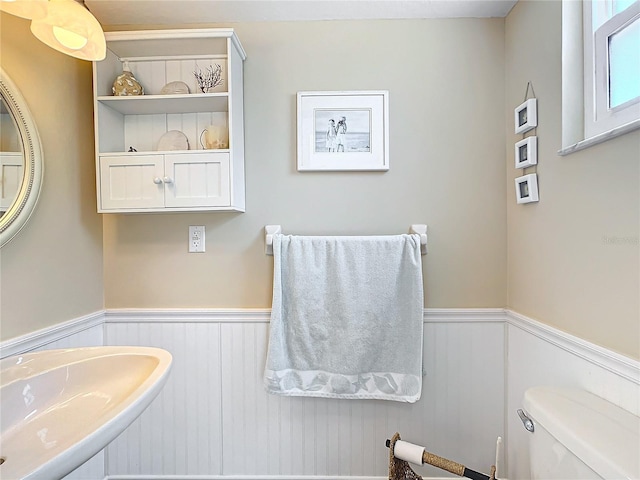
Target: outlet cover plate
{"points": [[196, 239]]}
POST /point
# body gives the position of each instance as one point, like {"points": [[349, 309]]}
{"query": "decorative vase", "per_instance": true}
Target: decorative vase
{"points": [[126, 83], [215, 137]]}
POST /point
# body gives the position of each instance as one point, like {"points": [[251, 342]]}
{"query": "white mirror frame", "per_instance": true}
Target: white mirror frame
{"points": [[24, 204]]}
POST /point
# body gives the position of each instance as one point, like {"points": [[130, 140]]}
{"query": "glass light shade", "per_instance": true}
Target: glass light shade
{"points": [[29, 9], [71, 29]]}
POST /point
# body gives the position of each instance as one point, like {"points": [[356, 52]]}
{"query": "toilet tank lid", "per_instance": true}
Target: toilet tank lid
{"points": [[601, 434]]}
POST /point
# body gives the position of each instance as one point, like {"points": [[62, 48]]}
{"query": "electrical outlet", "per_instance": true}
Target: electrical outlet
{"points": [[196, 239]]}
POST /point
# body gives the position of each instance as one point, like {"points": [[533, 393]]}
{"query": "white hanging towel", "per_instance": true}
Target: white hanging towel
{"points": [[346, 320]]}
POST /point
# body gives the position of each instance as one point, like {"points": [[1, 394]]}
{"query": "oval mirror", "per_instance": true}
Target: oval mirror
{"points": [[21, 166]]}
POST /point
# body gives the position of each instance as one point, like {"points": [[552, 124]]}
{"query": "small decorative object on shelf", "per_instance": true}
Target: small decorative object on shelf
{"points": [[214, 137], [173, 140], [131, 149], [126, 84], [209, 79], [175, 88]]}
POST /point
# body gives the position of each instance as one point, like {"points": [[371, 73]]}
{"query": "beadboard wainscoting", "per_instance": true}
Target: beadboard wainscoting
{"points": [[541, 355], [214, 418]]}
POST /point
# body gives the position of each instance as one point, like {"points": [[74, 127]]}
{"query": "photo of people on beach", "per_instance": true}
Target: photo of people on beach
{"points": [[342, 131]]}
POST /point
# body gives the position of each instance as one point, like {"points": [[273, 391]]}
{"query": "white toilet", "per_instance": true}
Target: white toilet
{"points": [[579, 436]]}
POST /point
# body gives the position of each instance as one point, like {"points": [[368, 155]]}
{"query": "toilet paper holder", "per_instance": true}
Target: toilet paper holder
{"points": [[408, 452]]}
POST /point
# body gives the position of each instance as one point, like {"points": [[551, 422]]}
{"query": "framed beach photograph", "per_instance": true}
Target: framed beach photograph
{"points": [[526, 116], [527, 188], [343, 131], [526, 152]]}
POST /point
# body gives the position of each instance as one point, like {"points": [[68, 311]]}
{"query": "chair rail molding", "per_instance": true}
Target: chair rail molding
{"points": [[621, 365], [50, 335], [262, 315], [616, 363], [612, 361]]}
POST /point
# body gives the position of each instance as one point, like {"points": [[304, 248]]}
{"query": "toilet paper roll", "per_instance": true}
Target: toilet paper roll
{"points": [[408, 452]]}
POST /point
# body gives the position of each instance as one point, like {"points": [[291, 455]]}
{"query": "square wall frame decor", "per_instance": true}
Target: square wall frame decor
{"points": [[526, 116], [526, 152], [527, 188], [347, 130]]}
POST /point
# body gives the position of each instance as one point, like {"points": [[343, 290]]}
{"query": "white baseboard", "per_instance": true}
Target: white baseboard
{"points": [[250, 477], [237, 477]]}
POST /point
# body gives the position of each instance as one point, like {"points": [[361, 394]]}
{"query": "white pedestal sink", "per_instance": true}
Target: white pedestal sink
{"points": [[58, 408]]}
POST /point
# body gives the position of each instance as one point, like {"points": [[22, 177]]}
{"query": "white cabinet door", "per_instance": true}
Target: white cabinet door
{"points": [[132, 182], [11, 173], [197, 179]]}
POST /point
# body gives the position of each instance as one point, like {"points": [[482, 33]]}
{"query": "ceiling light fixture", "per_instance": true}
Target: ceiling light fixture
{"points": [[29, 9], [70, 28]]}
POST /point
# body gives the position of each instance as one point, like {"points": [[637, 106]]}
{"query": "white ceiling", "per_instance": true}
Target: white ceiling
{"points": [[177, 12]]}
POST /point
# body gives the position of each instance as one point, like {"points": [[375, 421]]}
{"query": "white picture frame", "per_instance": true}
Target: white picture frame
{"points": [[527, 188], [526, 116], [361, 126], [526, 152]]}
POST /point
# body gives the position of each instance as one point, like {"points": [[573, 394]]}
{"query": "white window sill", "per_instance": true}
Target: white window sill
{"points": [[602, 137]]}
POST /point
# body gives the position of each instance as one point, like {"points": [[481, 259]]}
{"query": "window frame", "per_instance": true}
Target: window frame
{"points": [[598, 117]]}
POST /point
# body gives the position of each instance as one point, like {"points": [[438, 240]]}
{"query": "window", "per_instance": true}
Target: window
{"points": [[611, 64]]}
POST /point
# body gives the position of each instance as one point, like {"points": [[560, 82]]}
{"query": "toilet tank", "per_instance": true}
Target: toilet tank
{"points": [[578, 435]]}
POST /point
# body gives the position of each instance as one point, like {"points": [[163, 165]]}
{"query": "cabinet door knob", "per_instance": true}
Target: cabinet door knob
{"points": [[157, 180], [168, 180]]}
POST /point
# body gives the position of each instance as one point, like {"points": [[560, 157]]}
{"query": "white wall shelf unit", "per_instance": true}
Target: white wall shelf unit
{"points": [[150, 180]]}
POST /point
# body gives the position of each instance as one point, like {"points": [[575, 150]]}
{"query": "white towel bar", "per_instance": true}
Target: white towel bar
{"points": [[421, 230], [271, 230]]}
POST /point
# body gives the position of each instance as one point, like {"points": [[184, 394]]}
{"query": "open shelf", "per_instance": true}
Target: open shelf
{"points": [[153, 104]]}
